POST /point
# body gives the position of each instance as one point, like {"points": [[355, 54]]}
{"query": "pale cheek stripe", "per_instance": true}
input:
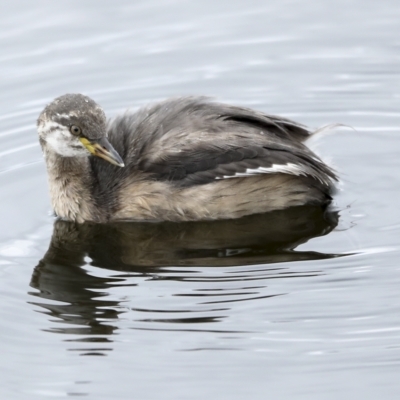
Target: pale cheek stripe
{"points": [[61, 141]]}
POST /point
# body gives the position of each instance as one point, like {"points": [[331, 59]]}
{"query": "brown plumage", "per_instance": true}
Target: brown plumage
{"points": [[182, 159]]}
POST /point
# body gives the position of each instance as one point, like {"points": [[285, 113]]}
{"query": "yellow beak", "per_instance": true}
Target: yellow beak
{"points": [[102, 148]]}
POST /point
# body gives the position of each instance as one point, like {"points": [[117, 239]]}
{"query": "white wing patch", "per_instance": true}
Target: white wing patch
{"points": [[289, 168]]}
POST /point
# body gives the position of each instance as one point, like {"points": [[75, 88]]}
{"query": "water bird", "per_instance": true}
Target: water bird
{"points": [[182, 159]]}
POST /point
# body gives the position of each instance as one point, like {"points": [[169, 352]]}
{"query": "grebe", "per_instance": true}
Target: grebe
{"points": [[182, 159]]}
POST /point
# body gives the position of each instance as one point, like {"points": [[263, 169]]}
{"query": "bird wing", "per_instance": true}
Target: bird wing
{"points": [[190, 158], [190, 141]]}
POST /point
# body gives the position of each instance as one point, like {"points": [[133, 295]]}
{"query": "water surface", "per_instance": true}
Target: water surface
{"points": [[300, 304]]}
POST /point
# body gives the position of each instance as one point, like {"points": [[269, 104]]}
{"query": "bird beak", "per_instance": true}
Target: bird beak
{"points": [[102, 148]]}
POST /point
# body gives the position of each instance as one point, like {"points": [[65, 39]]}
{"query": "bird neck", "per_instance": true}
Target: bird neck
{"points": [[71, 182]]}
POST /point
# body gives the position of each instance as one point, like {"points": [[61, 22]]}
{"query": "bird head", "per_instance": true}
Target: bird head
{"points": [[74, 125]]}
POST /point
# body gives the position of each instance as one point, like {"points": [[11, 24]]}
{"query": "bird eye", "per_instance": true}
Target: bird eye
{"points": [[75, 130]]}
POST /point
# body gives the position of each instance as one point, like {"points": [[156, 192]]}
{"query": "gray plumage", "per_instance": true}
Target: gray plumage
{"points": [[185, 159]]}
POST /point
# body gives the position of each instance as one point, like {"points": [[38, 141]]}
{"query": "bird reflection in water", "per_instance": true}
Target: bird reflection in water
{"points": [[81, 301]]}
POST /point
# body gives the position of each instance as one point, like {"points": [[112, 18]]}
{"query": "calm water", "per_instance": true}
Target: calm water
{"points": [[290, 305]]}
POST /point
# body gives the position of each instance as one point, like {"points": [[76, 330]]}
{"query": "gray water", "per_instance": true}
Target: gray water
{"points": [[290, 305]]}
